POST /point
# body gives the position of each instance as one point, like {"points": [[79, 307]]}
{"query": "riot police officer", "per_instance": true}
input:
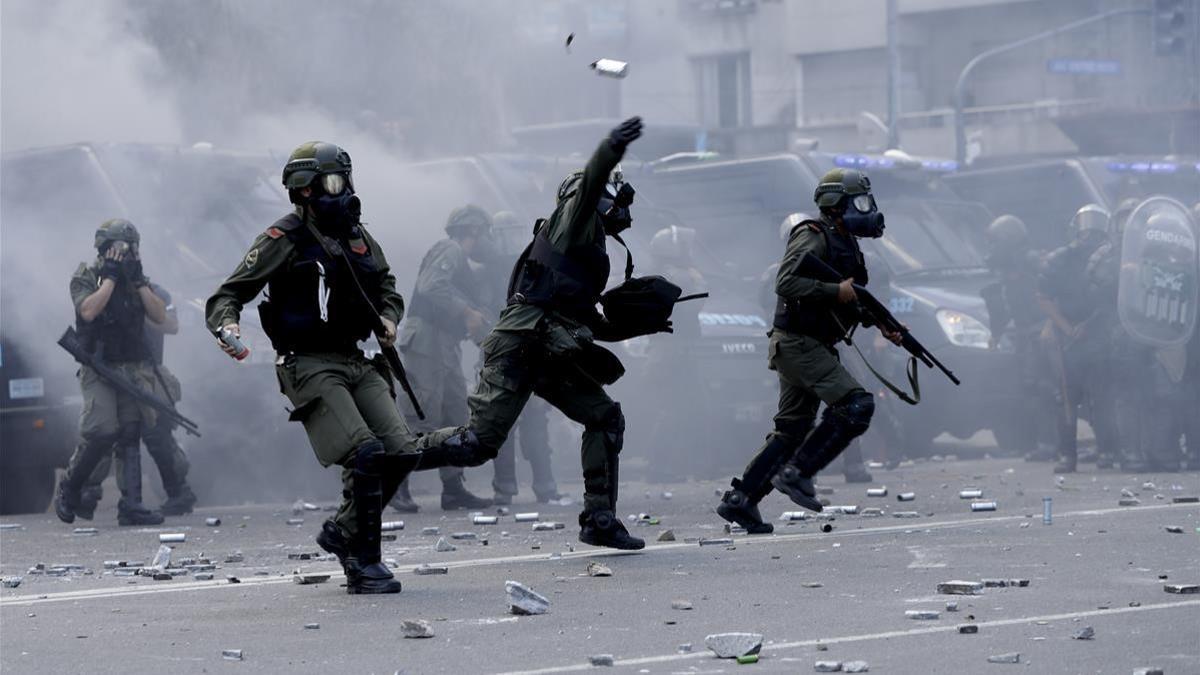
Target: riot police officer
{"points": [[113, 300], [330, 287], [810, 317], [544, 340], [446, 307], [169, 458], [1074, 341]]}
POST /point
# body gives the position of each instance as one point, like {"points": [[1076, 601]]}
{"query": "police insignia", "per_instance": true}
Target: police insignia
{"points": [[252, 258], [358, 246]]}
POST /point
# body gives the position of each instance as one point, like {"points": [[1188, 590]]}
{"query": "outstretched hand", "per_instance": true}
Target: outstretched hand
{"points": [[625, 133]]}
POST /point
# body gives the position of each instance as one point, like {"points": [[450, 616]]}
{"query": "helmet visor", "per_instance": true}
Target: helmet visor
{"points": [[333, 183]]}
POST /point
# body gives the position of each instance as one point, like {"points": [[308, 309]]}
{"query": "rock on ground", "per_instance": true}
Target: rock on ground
{"points": [[416, 628], [524, 601], [733, 645]]}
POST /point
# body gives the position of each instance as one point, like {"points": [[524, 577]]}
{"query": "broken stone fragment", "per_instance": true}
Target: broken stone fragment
{"points": [[1185, 500], [1012, 657], [828, 666], [685, 648], [443, 546], [923, 614], [1085, 633], [601, 659], [952, 606], [905, 514], [960, 588], [203, 576], [235, 557], [231, 654], [13, 582], [1128, 501], [595, 569], [855, 667], [1182, 589], [667, 535], [733, 645], [312, 626], [995, 583], [524, 601], [416, 628], [1174, 529], [306, 579], [425, 569], [681, 604]]}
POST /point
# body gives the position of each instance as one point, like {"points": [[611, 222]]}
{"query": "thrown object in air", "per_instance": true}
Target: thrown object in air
{"points": [[611, 68]]}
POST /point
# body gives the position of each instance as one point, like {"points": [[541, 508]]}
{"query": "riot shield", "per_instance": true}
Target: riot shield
{"points": [[1156, 300]]}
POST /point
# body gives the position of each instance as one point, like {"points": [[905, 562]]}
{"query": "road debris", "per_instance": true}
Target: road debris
{"points": [[716, 541], [212, 522], [828, 666], [312, 626], [1182, 589], [416, 628], [923, 614], [523, 600], [906, 496], [426, 569], [1174, 529], [530, 517], [485, 520], [601, 659], [548, 526], [391, 525], [958, 587], [855, 667], [968, 629], [443, 546], [983, 506], [733, 645], [667, 535], [595, 569], [85, 531], [972, 493], [1085, 633], [231, 654], [1013, 657], [684, 648], [681, 605], [305, 579], [877, 492], [172, 537], [12, 582]]}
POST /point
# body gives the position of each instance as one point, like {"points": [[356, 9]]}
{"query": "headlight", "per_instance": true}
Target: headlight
{"points": [[638, 346], [963, 330]]}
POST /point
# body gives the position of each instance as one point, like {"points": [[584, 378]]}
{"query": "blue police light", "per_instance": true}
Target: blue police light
{"points": [[851, 161], [1140, 167], [1163, 167]]}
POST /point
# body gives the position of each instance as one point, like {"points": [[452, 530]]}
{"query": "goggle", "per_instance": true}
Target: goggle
{"points": [[863, 203], [334, 183]]}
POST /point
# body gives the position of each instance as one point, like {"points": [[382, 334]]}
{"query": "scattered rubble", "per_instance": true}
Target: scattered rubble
{"points": [[524, 601], [855, 667], [530, 517], [681, 604], [1085, 633], [960, 588], [425, 569], [923, 614], [212, 522], [416, 628], [12, 582], [172, 537], [85, 531], [595, 569], [716, 541], [968, 629], [307, 579], [828, 666], [391, 525], [1013, 657], [877, 492], [1182, 589], [733, 645], [443, 546], [601, 659], [667, 535], [231, 654]]}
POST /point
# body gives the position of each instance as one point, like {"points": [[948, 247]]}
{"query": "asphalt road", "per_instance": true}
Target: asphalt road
{"points": [[836, 596]]}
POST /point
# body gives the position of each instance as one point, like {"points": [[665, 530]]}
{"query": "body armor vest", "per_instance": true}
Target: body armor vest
{"points": [[815, 318], [118, 333], [313, 303], [568, 283], [465, 280]]}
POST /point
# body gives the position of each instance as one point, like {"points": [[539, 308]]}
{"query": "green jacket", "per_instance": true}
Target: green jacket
{"points": [[270, 252], [573, 223], [446, 287]]}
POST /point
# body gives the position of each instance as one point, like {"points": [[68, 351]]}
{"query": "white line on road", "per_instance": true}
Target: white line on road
{"points": [[779, 646], [909, 525]]}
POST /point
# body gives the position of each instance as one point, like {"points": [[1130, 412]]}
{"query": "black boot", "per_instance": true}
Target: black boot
{"points": [[66, 503], [365, 573], [402, 501], [455, 496], [70, 489], [180, 501], [738, 507], [130, 510], [88, 501], [331, 540], [791, 482], [601, 528]]}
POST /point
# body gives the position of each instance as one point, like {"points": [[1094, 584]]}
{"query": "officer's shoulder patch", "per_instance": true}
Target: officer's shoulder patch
{"points": [[359, 246], [274, 232], [812, 225], [284, 225]]}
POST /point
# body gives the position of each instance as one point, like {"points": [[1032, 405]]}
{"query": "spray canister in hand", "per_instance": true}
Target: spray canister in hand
{"points": [[240, 350]]}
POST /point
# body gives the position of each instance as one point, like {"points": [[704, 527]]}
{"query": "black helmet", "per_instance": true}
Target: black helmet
{"points": [[317, 158], [841, 183], [468, 220], [116, 229], [1007, 231]]}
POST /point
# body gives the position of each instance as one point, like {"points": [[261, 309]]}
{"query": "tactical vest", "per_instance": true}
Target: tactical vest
{"points": [[313, 303], [464, 280], [812, 317], [1068, 282], [118, 333], [569, 283]]}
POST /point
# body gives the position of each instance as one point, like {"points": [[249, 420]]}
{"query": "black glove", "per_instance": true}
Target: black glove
{"points": [[132, 269], [110, 269], [628, 131]]}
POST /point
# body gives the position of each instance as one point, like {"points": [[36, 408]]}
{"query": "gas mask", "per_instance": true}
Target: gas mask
{"points": [[334, 202], [613, 207], [862, 217], [485, 251]]}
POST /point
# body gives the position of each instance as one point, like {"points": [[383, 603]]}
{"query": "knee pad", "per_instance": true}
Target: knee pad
{"points": [[369, 458], [129, 433], [854, 411], [612, 425]]}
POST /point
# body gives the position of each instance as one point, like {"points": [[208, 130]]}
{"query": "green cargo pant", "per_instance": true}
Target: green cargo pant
{"points": [[442, 392], [344, 401], [516, 366], [160, 442], [809, 373], [105, 410]]}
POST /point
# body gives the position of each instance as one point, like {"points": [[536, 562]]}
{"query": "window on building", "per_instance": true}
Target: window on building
{"points": [[723, 86]]}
